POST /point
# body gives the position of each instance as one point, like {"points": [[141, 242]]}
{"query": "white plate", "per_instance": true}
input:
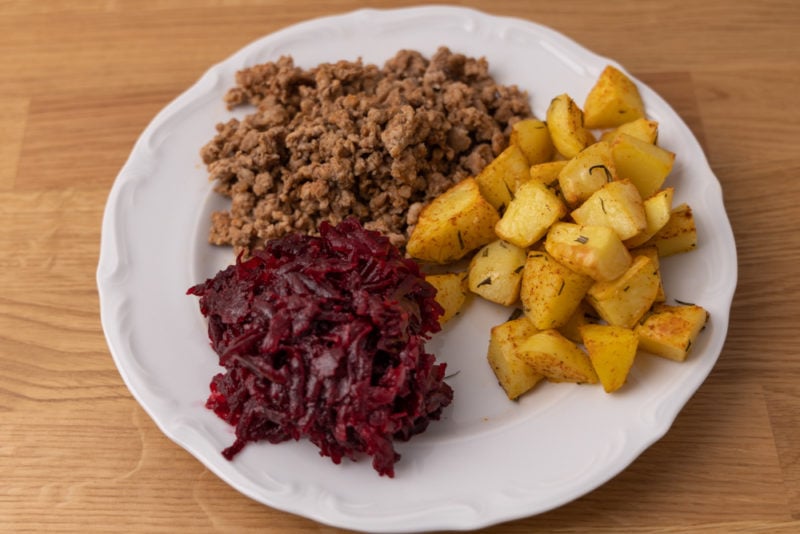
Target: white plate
{"points": [[489, 460]]}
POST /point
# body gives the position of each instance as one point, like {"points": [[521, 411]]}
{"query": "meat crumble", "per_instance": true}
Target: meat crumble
{"points": [[352, 139]]}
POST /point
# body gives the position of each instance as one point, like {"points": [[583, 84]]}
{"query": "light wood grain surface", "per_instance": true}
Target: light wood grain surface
{"points": [[80, 80]]}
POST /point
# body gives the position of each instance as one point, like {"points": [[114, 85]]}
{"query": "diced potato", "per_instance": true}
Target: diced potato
{"points": [[551, 292], [617, 205], [657, 211], [495, 272], [453, 224], [451, 293], [652, 253], [512, 372], [670, 331], [644, 129], [547, 173], [583, 315], [565, 124], [595, 251], [644, 164], [531, 212], [678, 235], [586, 173], [533, 138], [613, 100], [612, 350], [622, 302], [557, 358], [497, 181]]}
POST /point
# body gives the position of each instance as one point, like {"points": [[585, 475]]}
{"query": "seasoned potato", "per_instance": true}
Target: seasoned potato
{"points": [[644, 129], [557, 358], [613, 100], [512, 372], [644, 164], [584, 314], [533, 138], [495, 272], [565, 124], [623, 301], [678, 235], [586, 173], [547, 173], [669, 331], [612, 350], [550, 292], [657, 211], [453, 224], [595, 251], [451, 293], [498, 180], [652, 253], [531, 212], [617, 205]]}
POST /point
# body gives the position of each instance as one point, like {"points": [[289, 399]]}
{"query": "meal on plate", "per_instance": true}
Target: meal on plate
{"points": [[347, 178]]}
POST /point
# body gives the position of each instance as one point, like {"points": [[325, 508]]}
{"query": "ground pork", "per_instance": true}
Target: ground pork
{"points": [[349, 138]]}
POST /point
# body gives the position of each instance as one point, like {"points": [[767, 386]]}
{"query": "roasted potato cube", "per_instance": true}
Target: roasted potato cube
{"points": [[595, 251], [623, 301], [565, 124], [644, 164], [498, 180], [557, 358], [547, 172], [613, 100], [617, 205], [451, 293], [652, 253], [584, 314], [644, 129], [612, 350], [678, 235], [586, 173], [495, 272], [533, 138], [550, 292], [657, 211], [530, 213], [453, 224], [670, 331], [512, 372]]}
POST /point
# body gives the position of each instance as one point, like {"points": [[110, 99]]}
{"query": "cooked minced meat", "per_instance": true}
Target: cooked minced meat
{"points": [[346, 138]]}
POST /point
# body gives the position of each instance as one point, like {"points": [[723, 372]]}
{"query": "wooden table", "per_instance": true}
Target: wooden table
{"points": [[80, 80]]}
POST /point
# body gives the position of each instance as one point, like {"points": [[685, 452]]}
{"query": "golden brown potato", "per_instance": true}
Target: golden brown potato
{"points": [[612, 350], [670, 331], [623, 301], [586, 173], [595, 251], [455, 223], [644, 129], [644, 164], [565, 124], [614, 100], [495, 272], [498, 180], [451, 293], [657, 212], [551, 291], [617, 205], [533, 138], [557, 358], [534, 208], [678, 235], [512, 372]]}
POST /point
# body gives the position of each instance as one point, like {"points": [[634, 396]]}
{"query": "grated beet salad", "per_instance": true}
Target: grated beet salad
{"points": [[323, 338]]}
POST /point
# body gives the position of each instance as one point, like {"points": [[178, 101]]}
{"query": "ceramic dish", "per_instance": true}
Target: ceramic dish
{"points": [[489, 460]]}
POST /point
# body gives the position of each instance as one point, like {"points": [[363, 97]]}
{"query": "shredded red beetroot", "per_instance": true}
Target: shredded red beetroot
{"points": [[323, 337]]}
